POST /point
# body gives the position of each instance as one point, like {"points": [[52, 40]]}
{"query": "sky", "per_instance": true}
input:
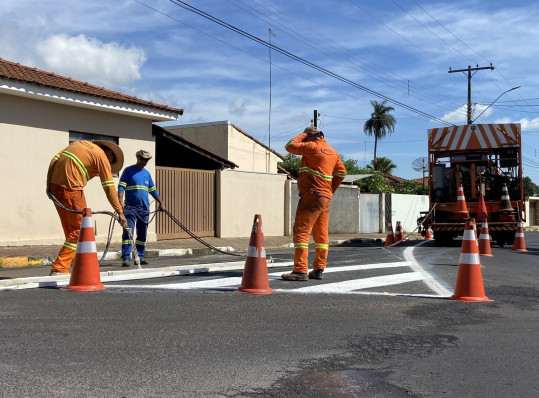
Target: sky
{"points": [[334, 57]]}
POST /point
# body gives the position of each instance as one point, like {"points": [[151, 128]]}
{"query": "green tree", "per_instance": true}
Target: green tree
{"points": [[291, 164], [382, 164], [381, 123], [412, 188], [530, 189]]}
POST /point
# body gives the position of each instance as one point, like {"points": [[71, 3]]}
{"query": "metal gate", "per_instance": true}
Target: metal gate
{"points": [[369, 213], [190, 196]]}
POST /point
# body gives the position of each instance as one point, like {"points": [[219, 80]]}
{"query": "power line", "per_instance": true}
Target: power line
{"points": [[203, 14]]}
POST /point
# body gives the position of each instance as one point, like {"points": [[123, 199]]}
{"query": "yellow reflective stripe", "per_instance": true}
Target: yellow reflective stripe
{"points": [[339, 175], [78, 163], [107, 183], [56, 157], [152, 189], [127, 242], [72, 246], [135, 187], [290, 143], [315, 173], [322, 246], [122, 184], [301, 245], [138, 242]]}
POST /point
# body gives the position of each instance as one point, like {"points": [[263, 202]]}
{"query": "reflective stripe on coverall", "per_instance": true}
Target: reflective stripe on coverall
{"points": [[321, 172]]}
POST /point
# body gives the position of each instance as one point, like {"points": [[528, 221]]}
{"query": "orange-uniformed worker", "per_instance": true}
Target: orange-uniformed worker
{"points": [[69, 172], [320, 174]]}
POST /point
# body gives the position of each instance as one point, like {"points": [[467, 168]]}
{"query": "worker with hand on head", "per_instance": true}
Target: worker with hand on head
{"points": [[135, 185], [320, 174], [68, 173]]}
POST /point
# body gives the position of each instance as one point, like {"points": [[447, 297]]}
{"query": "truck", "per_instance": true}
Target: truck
{"points": [[486, 160]]}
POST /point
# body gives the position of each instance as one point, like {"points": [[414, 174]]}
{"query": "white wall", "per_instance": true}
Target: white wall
{"points": [[406, 209]]}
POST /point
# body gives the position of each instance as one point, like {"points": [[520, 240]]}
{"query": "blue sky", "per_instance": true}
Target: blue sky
{"points": [[401, 49]]}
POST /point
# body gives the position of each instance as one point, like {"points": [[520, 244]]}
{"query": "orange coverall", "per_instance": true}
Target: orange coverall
{"points": [[69, 172], [320, 174]]}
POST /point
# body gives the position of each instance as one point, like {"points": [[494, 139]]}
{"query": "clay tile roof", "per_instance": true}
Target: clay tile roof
{"points": [[13, 71]]}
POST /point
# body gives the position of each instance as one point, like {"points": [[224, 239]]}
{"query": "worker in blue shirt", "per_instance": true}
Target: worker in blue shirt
{"points": [[135, 185]]}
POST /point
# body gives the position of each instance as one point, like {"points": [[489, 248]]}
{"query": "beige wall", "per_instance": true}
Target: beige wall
{"points": [[224, 140], [31, 133], [213, 138], [241, 195]]}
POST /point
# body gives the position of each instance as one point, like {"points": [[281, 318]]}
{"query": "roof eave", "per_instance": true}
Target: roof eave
{"points": [[64, 97]]}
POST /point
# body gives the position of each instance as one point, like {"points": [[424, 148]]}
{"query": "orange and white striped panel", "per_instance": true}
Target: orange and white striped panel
{"points": [[481, 136]]}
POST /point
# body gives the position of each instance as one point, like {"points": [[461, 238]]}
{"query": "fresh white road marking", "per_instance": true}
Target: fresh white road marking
{"points": [[364, 283], [428, 278]]}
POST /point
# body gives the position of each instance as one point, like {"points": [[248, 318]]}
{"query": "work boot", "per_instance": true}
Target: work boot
{"points": [[295, 276], [315, 274], [125, 262], [58, 273], [144, 262]]}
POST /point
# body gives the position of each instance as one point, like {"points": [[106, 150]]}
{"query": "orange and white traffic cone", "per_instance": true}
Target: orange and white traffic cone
{"points": [[462, 210], [519, 244], [85, 276], [390, 238], [398, 233], [255, 273], [469, 283], [505, 203], [481, 208], [484, 240], [428, 234]]}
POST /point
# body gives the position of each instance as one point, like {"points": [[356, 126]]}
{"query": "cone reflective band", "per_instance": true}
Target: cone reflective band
{"points": [[255, 278], [469, 283], [85, 275]]}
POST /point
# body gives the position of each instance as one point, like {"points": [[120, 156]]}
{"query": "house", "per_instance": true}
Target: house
{"points": [[231, 142], [40, 114]]}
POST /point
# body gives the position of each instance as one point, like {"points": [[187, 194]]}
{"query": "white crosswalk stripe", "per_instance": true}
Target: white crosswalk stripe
{"points": [[348, 286]]}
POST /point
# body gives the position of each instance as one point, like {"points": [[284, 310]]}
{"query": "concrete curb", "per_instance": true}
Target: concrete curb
{"points": [[12, 262], [60, 281]]}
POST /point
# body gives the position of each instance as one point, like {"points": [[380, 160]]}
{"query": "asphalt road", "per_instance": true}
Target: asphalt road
{"points": [[195, 336]]}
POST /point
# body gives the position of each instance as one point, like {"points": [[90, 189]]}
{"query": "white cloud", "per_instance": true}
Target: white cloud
{"points": [[88, 59], [457, 116], [237, 107]]}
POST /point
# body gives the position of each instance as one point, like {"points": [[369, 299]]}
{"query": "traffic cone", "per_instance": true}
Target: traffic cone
{"points": [[390, 238], [462, 210], [481, 208], [505, 204], [519, 244], [428, 234], [255, 274], [469, 283], [85, 275], [484, 240], [398, 233]]}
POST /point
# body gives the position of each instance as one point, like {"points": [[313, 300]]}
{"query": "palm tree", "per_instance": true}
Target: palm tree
{"points": [[382, 164], [381, 122]]}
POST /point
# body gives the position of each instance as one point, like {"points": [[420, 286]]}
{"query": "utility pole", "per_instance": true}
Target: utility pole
{"points": [[469, 70], [315, 118], [270, 33]]}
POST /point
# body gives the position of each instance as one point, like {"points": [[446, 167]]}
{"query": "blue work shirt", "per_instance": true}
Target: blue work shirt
{"points": [[137, 184]]}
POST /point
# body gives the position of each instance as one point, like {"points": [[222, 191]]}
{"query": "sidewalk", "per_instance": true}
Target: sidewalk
{"points": [[18, 262]]}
